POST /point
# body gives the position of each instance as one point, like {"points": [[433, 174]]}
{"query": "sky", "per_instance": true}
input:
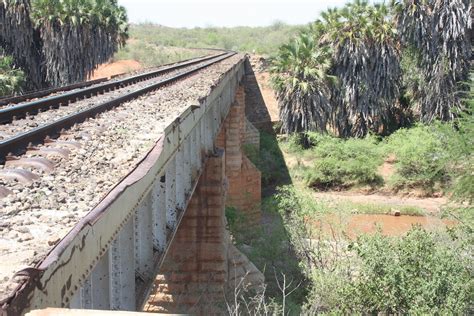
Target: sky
{"points": [[189, 13]]}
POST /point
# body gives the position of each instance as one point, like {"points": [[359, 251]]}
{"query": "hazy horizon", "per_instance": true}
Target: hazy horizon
{"points": [[232, 13]]}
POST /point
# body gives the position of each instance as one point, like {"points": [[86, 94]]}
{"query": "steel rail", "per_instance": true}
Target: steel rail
{"points": [[21, 110], [44, 92], [20, 142]]}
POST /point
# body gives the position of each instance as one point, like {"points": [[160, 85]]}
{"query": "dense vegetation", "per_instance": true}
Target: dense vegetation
{"points": [[373, 99], [57, 42], [372, 68], [422, 272]]}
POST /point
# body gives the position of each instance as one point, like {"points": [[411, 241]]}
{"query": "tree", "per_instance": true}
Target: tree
{"points": [[302, 84], [418, 274], [361, 52], [437, 34], [19, 39], [92, 30], [367, 65], [65, 39]]}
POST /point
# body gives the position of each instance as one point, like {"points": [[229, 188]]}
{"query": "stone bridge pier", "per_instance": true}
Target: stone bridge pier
{"points": [[202, 263]]}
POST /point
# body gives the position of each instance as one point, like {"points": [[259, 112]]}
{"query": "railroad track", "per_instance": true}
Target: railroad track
{"points": [[35, 94], [121, 91], [41, 93]]}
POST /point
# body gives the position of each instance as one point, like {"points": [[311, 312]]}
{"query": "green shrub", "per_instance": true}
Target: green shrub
{"points": [[11, 79], [460, 142], [344, 163], [418, 274], [421, 157]]}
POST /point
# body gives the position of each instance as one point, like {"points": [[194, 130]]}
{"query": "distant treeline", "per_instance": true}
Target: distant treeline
{"points": [[261, 40]]}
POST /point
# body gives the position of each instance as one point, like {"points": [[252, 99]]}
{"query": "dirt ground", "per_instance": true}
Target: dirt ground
{"points": [[263, 79], [430, 205], [115, 68]]}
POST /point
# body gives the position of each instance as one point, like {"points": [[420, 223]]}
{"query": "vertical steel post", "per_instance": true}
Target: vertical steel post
{"points": [[171, 194], [100, 284], [144, 239], [180, 178], [159, 213], [122, 254], [187, 164]]}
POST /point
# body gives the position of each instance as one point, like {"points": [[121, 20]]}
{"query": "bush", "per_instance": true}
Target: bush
{"points": [[460, 142], [421, 157], [11, 79], [344, 163], [418, 274]]}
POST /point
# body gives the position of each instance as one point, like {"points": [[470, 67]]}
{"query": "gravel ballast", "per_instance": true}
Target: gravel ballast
{"points": [[33, 121], [36, 217]]}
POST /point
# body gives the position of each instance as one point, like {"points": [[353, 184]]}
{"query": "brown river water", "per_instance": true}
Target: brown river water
{"points": [[389, 225]]}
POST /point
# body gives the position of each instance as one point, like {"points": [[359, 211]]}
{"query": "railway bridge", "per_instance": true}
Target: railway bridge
{"points": [[155, 240]]}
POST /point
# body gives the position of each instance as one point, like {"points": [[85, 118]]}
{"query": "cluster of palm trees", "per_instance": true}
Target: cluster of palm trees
{"points": [[346, 72], [58, 42], [19, 39]]}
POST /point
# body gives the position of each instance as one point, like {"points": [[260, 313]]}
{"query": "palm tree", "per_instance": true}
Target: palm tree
{"points": [[367, 65], [69, 37], [19, 39], [91, 29], [438, 32], [359, 51], [302, 84]]}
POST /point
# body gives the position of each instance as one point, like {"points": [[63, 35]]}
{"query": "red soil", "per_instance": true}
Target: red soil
{"points": [[115, 68]]}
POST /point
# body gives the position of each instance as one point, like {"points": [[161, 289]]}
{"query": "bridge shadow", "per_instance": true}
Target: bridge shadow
{"points": [[256, 110], [268, 246], [269, 159]]}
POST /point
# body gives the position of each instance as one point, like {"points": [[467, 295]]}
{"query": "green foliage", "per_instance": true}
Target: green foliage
{"points": [[418, 274], [367, 65], [235, 219], [343, 72], [460, 145], [299, 75], [268, 247], [421, 157], [11, 79], [260, 40], [344, 163]]}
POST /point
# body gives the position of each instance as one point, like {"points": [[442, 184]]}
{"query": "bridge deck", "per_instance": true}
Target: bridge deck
{"points": [[39, 215]]}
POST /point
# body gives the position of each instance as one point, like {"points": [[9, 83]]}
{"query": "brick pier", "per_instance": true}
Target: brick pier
{"points": [[202, 261]]}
